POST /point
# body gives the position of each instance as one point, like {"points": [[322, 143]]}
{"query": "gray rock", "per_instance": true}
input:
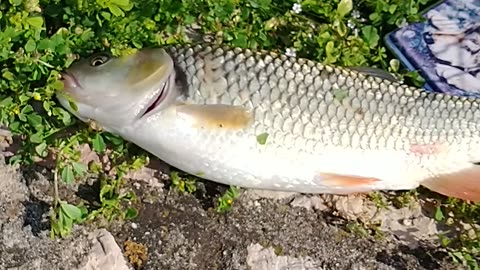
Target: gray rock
{"points": [[260, 258], [255, 194], [104, 254]]}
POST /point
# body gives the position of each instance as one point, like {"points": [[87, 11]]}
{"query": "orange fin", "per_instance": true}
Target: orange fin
{"points": [[464, 184], [332, 179]]}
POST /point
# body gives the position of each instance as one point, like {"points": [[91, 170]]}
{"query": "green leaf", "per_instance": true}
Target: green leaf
{"points": [[106, 15], [30, 45], [57, 85], [120, 2], [41, 149], [62, 115], [115, 10], [16, 2], [6, 101], [27, 109], [439, 214], [71, 211], [105, 189], [395, 65], [98, 143], [35, 121], [374, 17], [340, 94], [392, 9], [43, 44], [36, 21], [340, 27], [137, 44], [131, 213], [46, 106], [67, 174], [36, 137], [66, 221], [114, 139], [23, 99], [73, 105], [79, 168], [262, 138], [344, 7], [330, 51], [241, 40], [370, 35], [8, 75]]}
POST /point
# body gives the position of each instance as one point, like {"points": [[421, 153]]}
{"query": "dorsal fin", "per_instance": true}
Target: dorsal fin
{"points": [[376, 72]]}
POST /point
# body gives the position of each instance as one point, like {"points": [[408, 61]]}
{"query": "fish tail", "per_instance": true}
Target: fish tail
{"points": [[464, 184]]}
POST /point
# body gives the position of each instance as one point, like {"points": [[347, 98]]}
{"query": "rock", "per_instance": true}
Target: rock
{"points": [[105, 254], [260, 258], [318, 203], [87, 155], [145, 174], [255, 194], [315, 202], [12, 193], [349, 207], [302, 201]]}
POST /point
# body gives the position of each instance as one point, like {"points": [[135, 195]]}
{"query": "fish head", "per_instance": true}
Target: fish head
{"points": [[114, 92]]}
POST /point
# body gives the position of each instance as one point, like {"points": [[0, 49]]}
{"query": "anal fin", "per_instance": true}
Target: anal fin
{"points": [[349, 181], [464, 184]]}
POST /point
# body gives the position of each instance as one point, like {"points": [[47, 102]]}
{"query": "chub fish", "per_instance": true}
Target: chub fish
{"points": [[261, 120]]}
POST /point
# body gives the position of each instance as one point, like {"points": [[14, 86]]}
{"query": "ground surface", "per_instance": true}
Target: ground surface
{"points": [[264, 230]]}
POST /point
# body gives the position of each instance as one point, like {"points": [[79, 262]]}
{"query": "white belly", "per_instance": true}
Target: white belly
{"points": [[236, 158]]}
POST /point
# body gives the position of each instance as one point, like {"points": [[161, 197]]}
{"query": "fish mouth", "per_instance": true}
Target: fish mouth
{"points": [[69, 80], [157, 99]]}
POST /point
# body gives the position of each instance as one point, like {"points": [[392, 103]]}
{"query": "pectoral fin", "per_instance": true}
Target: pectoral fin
{"points": [[376, 72], [464, 184], [216, 116]]}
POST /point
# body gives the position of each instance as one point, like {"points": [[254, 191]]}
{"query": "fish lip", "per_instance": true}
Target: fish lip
{"points": [[156, 100], [70, 79]]}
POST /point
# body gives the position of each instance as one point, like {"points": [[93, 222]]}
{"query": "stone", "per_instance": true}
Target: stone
{"points": [[260, 258], [105, 253]]}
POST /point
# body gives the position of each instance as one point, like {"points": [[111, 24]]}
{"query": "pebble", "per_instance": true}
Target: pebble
{"points": [[134, 225], [302, 201], [407, 222]]}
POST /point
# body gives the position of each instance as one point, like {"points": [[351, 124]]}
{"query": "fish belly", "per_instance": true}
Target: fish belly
{"points": [[284, 162]]}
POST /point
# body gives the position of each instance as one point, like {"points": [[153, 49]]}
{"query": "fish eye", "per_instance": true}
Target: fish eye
{"points": [[99, 60]]}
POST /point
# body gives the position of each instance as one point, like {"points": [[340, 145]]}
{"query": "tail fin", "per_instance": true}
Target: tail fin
{"points": [[464, 184]]}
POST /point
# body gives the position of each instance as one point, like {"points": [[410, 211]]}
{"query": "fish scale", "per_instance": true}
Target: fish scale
{"points": [[364, 106], [329, 129]]}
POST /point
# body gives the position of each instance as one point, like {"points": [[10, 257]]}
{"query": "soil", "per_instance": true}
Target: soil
{"points": [[263, 230]]}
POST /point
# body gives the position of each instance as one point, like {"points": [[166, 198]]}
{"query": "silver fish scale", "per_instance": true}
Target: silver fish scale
{"points": [[308, 105]]}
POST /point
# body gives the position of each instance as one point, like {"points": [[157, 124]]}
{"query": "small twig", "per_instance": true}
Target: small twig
{"points": [[45, 63], [55, 188]]}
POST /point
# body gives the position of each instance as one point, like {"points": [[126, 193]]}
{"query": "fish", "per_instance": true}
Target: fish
{"points": [[259, 119]]}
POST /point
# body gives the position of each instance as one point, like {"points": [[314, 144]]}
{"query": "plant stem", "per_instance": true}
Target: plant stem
{"points": [[55, 188]]}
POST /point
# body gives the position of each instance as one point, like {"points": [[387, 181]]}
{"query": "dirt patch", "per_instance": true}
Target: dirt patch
{"points": [[181, 234], [182, 231]]}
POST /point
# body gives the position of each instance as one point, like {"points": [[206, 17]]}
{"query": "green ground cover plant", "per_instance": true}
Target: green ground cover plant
{"points": [[40, 38]]}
